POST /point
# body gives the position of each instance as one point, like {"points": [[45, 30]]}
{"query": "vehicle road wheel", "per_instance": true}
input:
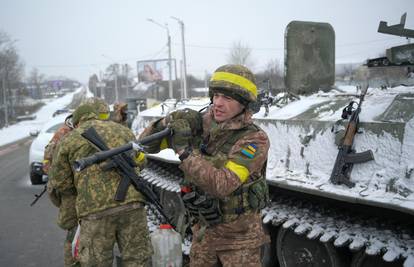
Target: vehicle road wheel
{"points": [[35, 178], [36, 174], [361, 259], [295, 250], [268, 250]]}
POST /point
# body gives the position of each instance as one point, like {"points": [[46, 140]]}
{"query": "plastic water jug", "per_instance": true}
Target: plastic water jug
{"points": [[167, 247]]}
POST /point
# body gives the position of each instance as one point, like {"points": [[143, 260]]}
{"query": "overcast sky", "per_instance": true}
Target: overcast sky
{"points": [[69, 37]]}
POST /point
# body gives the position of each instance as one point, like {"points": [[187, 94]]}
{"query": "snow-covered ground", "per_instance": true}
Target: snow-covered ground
{"points": [[22, 129]]}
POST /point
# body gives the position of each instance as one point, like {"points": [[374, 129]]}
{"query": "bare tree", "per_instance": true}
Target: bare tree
{"points": [[36, 81], [11, 72], [272, 77], [240, 54]]}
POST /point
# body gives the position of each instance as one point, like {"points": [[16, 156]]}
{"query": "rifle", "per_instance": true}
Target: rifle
{"points": [[347, 156], [123, 163], [38, 196]]}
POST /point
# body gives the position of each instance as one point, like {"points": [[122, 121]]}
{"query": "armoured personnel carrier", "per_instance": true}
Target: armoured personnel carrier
{"points": [[397, 55], [312, 219], [397, 65]]}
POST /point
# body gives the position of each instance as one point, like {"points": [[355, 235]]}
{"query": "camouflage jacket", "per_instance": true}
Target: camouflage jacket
{"points": [[67, 217], [211, 174], [51, 147], [95, 188]]}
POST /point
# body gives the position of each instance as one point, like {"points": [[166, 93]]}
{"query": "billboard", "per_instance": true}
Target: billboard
{"points": [[155, 70]]}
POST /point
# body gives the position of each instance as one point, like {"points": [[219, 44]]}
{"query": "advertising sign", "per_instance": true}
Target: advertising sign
{"points": [[155, 70]]}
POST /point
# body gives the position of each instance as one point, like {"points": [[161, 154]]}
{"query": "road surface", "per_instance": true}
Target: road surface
{"points": [[29, 236]]}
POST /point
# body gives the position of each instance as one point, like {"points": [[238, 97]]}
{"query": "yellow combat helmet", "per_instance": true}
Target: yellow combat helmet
{"points": [[235, 81]]}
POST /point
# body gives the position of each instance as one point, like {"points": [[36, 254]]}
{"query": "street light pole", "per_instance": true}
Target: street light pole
{"points": [[6, 115], [116, 77], [184, 58], [170, 86]]}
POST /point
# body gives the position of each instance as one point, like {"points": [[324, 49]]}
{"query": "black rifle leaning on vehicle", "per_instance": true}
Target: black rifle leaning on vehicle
{"points": [[124, 165], [347, 156]]}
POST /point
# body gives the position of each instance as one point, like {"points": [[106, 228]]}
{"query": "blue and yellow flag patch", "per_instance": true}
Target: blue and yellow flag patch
{"points": [[249, 151]]}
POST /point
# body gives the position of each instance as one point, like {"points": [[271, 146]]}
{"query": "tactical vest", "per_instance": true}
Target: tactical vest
{"points": [[250, 197]]}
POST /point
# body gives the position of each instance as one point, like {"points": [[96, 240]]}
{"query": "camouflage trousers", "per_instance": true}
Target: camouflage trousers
{"points": [[205, 256], [69, 261], [128, 229]]}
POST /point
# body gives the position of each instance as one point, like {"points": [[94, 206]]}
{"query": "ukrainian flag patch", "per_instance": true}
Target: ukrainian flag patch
{"points": [[249, 151]]}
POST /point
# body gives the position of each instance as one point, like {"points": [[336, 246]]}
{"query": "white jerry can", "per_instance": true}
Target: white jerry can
{"points": [[167, 247]]}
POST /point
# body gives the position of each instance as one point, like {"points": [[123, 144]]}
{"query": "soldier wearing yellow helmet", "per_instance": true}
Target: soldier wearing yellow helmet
{"points": [[104, 221], [223, 156]]}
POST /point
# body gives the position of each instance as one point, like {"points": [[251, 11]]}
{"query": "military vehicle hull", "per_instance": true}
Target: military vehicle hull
{"points": [[310, 220]]}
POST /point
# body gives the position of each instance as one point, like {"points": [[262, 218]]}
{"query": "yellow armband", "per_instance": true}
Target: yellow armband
{"points": [[241, 171]]}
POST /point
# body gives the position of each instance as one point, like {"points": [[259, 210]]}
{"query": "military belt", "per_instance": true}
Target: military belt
{"points": [[112, 211]]}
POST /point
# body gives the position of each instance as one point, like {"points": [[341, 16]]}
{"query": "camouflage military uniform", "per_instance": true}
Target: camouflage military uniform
{"points": [[240, 235], [241, 232], [67, 218], [104, 221], [226, 166]]}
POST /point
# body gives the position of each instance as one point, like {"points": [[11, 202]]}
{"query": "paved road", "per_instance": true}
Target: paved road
{"points": [[29, 236]]}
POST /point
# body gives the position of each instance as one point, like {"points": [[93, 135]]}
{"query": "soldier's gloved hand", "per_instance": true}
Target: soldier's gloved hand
{"points": [[181, 134], [193, 117]]}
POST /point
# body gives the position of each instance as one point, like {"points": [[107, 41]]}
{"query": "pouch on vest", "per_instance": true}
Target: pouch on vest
{"points": [[258, 194]]}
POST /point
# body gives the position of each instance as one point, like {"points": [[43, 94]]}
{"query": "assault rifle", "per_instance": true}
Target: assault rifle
{"points": [[347, 156], [123, 163]]}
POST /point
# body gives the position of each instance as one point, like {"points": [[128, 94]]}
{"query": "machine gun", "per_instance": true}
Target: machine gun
{"points": [[347, 156], [123, 164]]}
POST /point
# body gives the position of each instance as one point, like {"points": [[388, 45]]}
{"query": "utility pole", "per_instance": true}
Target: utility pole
{"points": [[206, 81], [126, 80], [116, 76], [116, 83], [6, 119], [184, 58], [170, 86], [181, 81]]}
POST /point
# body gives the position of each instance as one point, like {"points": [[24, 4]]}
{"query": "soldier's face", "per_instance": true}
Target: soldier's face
{"points": [[225, 107]]}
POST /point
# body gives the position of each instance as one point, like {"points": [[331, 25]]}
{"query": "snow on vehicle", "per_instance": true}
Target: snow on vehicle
{"points": [[312, 221]]}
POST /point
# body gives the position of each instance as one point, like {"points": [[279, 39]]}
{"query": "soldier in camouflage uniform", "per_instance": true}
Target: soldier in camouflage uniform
{"points": [[223, 158], [120, 114], [67, 218], [103, 220]]}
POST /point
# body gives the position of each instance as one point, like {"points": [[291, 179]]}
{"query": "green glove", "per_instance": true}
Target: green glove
{"points": [[193, 117], [181, 134]]}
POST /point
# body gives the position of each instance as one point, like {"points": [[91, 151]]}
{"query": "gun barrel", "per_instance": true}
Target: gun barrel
{"points": [[98, 157]]}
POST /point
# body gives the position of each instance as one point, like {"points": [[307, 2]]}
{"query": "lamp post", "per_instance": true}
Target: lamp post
{"points": [[170, 87], [116, 76], [184, 58], [6, 115]]}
